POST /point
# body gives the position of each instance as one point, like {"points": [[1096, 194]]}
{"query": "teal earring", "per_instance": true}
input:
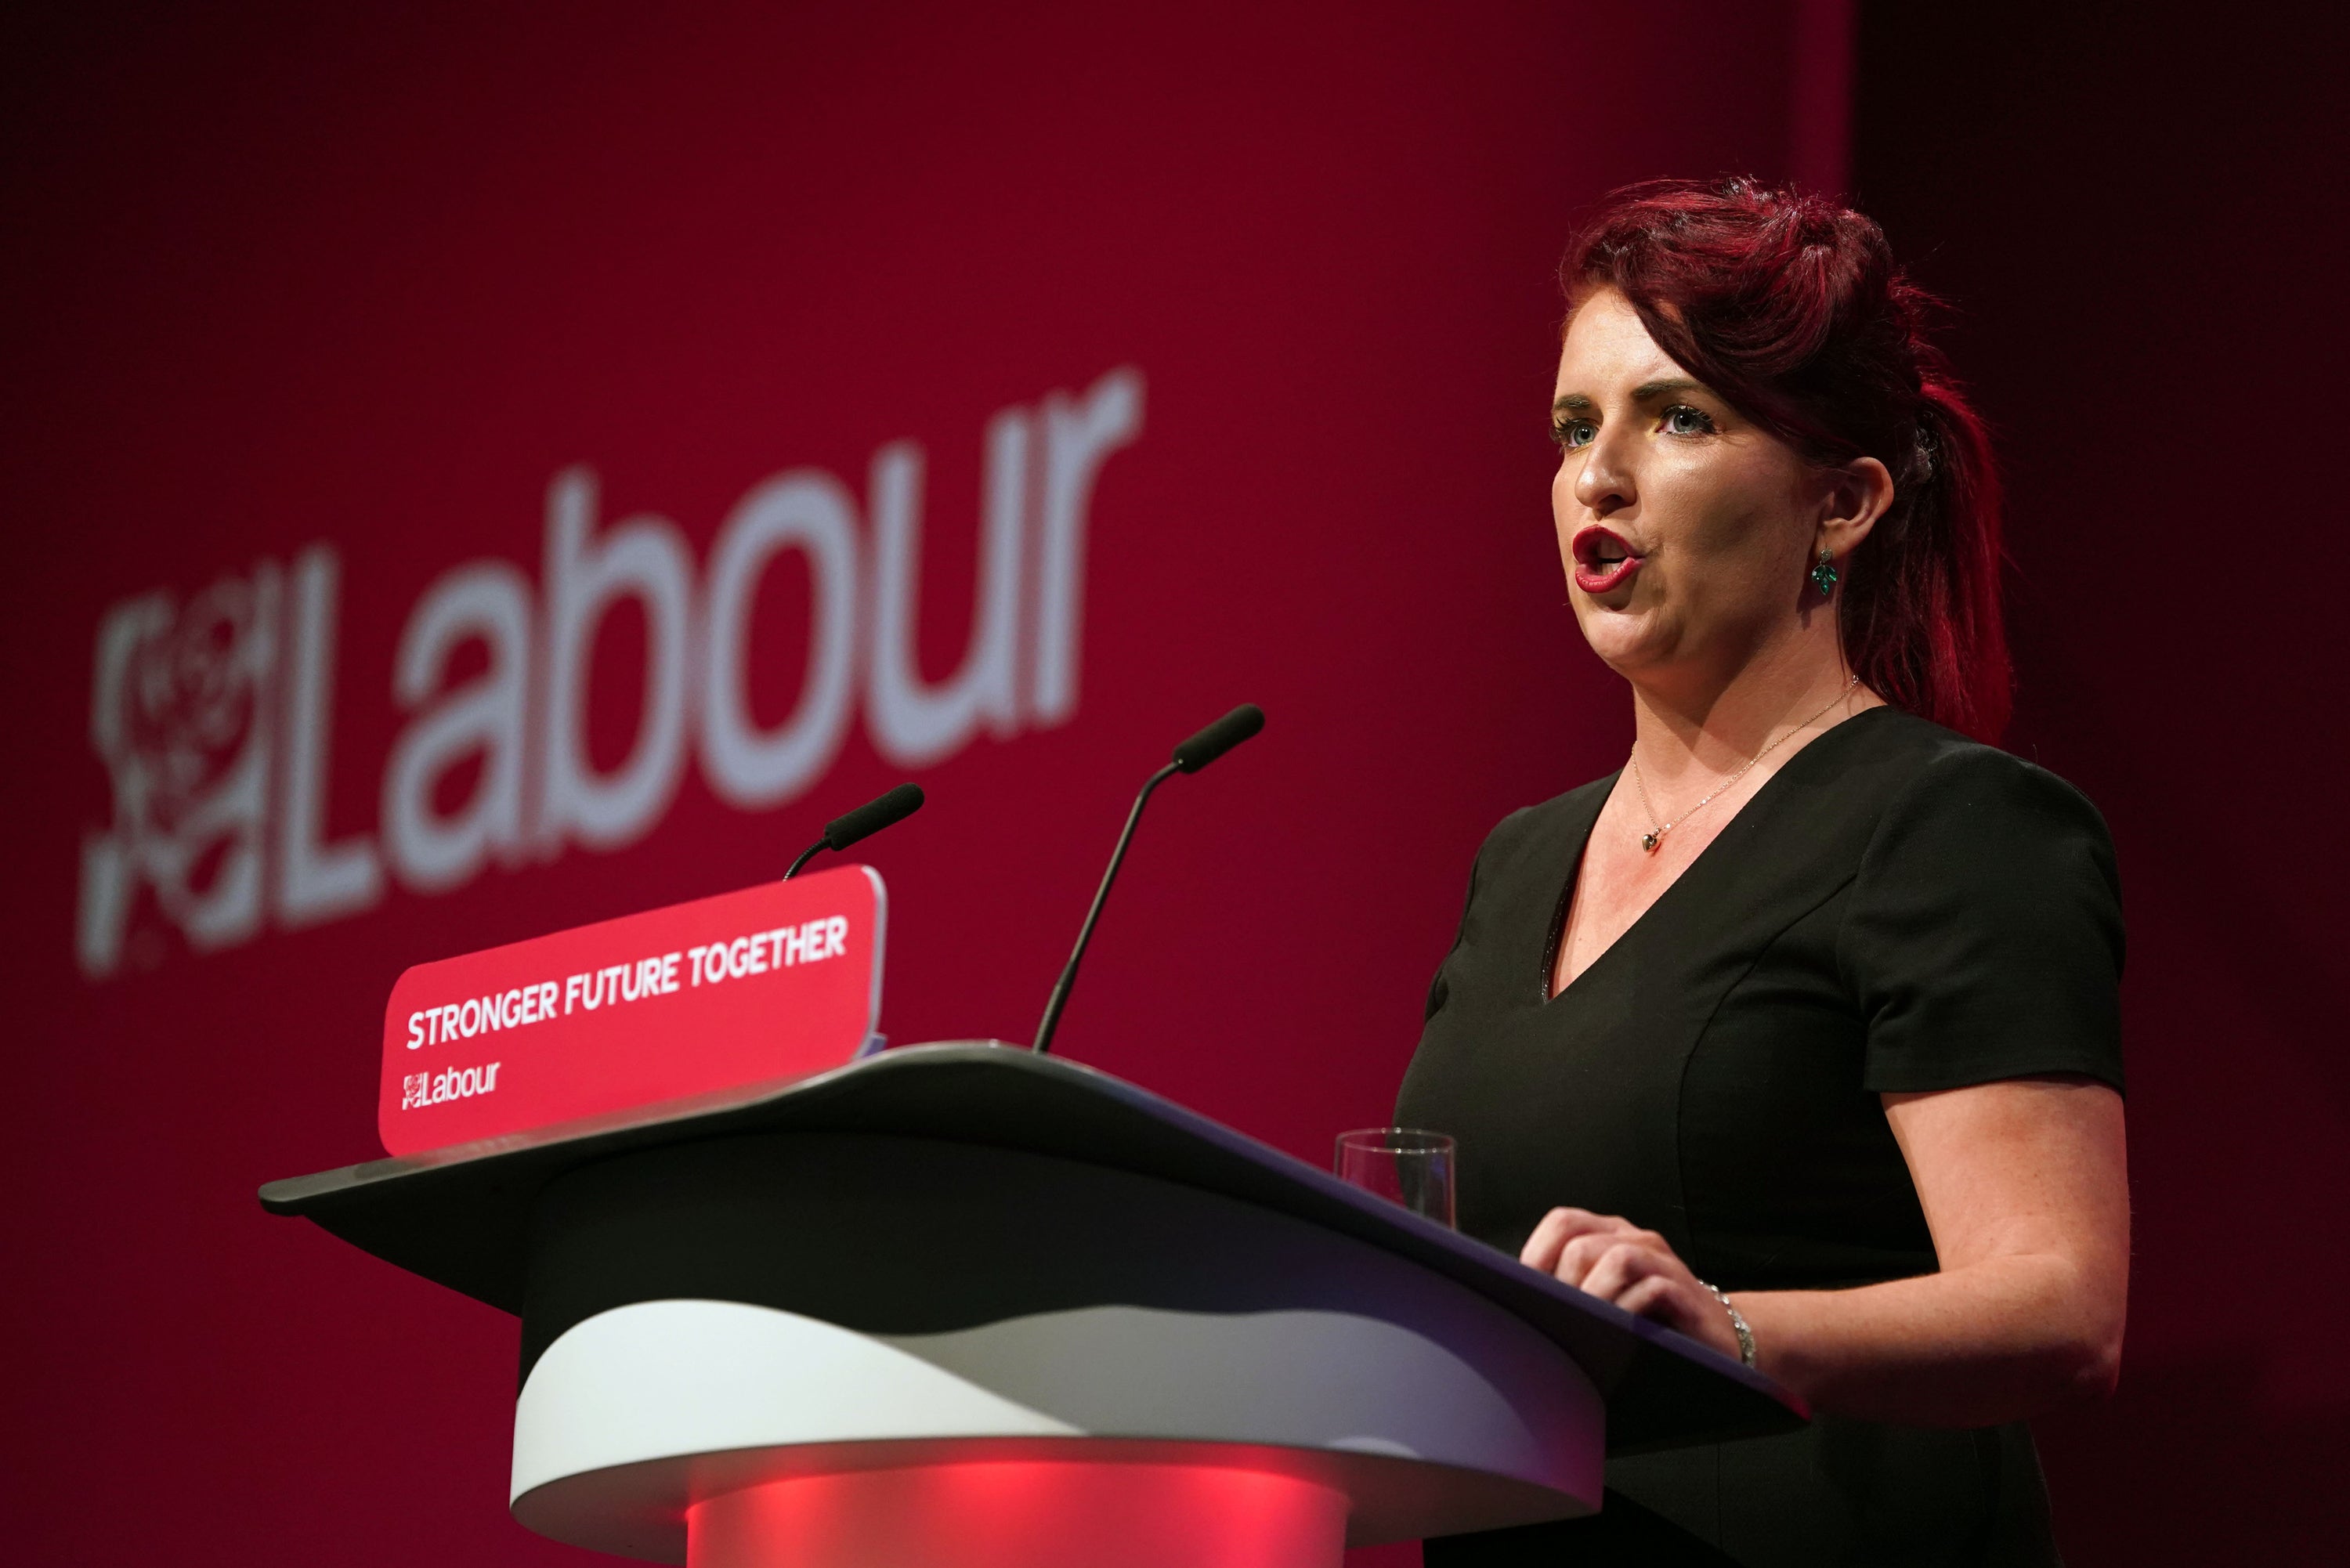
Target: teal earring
{"points": [[1824, 575]]}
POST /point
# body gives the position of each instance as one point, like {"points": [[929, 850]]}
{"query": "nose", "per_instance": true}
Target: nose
{"points": [[1603, 485]]}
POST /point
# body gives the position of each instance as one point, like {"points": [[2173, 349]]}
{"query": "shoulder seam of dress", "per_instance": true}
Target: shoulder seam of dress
{"points": [[1956, 749]]}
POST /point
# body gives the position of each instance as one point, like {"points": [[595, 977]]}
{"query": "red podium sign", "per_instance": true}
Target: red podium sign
{"points": [[762, 986]]}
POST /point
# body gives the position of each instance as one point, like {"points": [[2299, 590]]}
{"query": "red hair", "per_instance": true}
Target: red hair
{"points": [[1791, 309]]}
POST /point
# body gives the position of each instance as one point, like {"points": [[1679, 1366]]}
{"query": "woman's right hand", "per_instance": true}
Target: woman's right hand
{"points": [[1609, 1257]]}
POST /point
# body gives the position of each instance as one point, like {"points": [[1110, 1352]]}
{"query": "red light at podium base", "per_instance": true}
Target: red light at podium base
{"points": [[1023, 1514]]}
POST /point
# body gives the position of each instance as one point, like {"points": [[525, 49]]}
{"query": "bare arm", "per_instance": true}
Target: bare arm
{"points": [[2025, 1188]]}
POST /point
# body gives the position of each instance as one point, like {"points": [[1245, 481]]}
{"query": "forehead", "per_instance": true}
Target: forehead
{"points": [[1609, 350]]}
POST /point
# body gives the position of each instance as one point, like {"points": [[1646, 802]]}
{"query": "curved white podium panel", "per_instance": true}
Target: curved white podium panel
{"points": [[637, 1414]]}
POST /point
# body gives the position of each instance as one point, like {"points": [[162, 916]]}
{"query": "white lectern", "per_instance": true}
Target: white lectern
{"points": [[963, 1306]]}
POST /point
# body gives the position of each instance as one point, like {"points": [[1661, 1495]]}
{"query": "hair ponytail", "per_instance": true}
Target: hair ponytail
{"points": [[1791, 308]]}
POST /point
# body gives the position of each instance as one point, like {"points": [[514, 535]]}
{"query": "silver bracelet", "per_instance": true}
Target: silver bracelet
{"points": [[1737, 1326]]}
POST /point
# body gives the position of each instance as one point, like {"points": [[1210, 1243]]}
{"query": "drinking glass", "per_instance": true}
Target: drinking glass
{"points": [[1404, 1165]]}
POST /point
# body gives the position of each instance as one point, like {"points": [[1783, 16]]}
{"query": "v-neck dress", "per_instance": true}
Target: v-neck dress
{"points": [[1896, 909]]}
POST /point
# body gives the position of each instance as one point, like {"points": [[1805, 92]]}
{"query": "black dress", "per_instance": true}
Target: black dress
{"points": [[1898, 909]]}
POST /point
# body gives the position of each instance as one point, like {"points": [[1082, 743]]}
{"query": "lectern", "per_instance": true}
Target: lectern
{"points": [[959, 1305]]}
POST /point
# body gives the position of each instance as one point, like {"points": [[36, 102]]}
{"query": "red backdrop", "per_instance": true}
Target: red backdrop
{"points": [[290, 290], [2150, 279]]}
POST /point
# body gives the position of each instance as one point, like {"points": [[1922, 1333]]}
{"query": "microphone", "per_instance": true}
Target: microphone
{"points": [[1219, 737], [1190, 757], [884, 811]]}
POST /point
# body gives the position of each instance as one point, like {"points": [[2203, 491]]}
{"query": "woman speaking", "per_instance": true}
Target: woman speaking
{"points": [[1799, 1033]]}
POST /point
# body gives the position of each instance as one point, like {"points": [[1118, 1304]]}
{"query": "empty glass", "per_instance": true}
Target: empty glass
{"points": [[1403, 1165]]}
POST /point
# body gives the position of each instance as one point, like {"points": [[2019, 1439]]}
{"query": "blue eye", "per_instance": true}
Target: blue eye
{"points": [[1574, 434], [1680, 420]]}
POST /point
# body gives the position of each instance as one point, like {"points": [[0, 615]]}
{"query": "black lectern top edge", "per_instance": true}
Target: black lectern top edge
{"points": [[460, 1217]]}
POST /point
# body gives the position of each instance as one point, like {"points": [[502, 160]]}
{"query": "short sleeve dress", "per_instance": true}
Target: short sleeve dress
{"points": [[1898, 909]]}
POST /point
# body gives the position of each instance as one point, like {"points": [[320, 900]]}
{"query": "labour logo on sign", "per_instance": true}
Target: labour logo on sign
{"points": [[215, 717]]}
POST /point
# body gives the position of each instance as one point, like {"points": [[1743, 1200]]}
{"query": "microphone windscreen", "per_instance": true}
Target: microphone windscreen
{"points": [[873, 816], [1219, 737]]}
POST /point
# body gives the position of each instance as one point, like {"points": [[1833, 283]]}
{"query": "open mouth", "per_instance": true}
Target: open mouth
{"points": [[1603, 561]]}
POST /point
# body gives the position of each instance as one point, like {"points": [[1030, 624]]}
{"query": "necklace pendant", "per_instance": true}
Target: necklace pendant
{"points": [[1649, 841]]}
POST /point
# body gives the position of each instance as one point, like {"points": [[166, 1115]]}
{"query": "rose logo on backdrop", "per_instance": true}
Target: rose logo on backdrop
{"points": [[182, 713], [215, 717]]}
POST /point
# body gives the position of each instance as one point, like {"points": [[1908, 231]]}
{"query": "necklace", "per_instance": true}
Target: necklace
{"points": [[1656, 833]]}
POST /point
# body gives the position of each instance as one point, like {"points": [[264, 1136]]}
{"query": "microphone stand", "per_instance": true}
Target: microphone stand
{"points": [[1085, 933]]}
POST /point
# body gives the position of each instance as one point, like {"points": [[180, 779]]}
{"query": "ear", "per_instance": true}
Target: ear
{"points": [[1852, 499]]}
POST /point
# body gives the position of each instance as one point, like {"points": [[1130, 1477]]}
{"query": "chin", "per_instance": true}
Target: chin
{"points": [[1624, 641]]}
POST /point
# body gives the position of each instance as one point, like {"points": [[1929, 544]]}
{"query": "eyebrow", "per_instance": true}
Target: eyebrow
{"points": [[1646, 392]]}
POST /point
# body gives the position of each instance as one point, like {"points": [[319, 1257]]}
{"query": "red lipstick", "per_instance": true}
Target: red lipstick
{"points": [[1603, 561]]}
